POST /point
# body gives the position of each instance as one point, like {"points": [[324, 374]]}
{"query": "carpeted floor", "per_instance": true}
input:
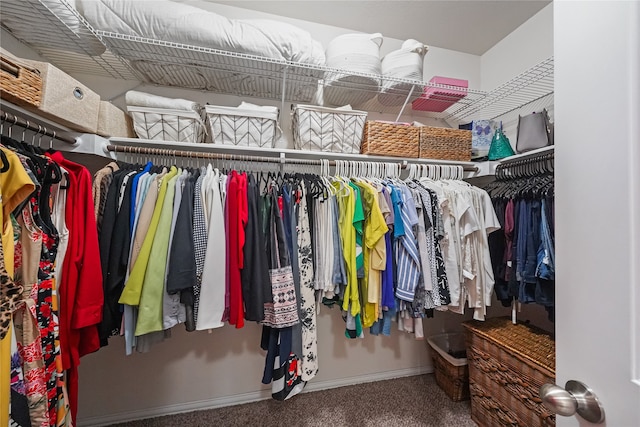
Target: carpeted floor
{"points": [[409, 401]]}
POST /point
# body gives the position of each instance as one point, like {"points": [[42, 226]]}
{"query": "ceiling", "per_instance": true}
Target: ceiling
{"points": [[466, 26]]}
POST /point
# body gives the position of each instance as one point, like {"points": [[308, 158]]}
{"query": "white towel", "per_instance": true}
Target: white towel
{"points": [[134, 98]]}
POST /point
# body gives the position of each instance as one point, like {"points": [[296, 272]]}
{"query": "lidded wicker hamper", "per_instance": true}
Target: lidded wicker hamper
{"points": [[390, 139], [507, 366]]}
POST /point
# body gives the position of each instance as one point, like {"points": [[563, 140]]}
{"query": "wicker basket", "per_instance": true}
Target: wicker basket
{"points": [[445, 144], [390, 139], [507, 366], [20, 84], [452, 373]]}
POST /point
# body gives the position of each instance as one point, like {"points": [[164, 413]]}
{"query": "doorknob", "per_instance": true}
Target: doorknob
{"points": [[574, 398]]}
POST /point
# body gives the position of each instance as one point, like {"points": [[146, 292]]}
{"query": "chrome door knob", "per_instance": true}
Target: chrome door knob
{"points": [[576, 397]]}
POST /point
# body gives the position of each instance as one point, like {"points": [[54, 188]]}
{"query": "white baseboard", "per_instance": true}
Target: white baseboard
{"points": [[238, 399]]}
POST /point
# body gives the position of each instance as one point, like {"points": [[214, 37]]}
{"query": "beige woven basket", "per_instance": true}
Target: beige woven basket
{"points": [[19, 84], [507, 366], [389, 139], [445, 144]]}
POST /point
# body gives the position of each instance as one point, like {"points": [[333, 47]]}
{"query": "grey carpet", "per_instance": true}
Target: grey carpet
{"points": [[409, 401]]}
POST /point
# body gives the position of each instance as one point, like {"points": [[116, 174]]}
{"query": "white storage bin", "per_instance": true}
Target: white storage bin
{"points": [[327, 129], [404, 63], [354, 54], [247, 126], [167, 125]]}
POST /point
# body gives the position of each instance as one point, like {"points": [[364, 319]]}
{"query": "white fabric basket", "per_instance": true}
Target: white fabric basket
{"points": [[327, 129], [404, 63], [356, 53], [252, 126], [167, 125]]}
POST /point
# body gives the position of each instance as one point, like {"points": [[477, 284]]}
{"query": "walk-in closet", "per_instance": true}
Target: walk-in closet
{"points": [[320, 212]]}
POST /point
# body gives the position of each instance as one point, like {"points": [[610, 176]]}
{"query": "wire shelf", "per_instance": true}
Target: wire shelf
{"points": [[175, 64], [59, 33], [530, 86]]}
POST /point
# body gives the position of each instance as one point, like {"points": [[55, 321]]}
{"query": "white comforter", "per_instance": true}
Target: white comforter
{"points": [[180, 23]]}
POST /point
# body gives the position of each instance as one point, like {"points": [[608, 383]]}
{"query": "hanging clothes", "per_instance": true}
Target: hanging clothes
{"points": [[523, 255], [208, 248], [52, 253]]}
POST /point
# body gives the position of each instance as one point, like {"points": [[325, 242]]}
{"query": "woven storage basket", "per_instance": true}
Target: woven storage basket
{"points": [[445, 144], [452, 372], [112, 121], [327, 129], [20, 84], [507, 366], [65, 100], [390, 139], [167, 125]]}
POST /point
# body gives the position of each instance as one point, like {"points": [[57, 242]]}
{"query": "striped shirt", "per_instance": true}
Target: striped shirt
{"points": [[407, 254]]}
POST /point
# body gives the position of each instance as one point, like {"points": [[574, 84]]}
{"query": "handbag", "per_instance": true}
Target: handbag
{"points": [[534, 131], [500, 146]]}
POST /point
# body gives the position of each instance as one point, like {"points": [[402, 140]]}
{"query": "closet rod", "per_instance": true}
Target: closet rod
{"points": [[219, 156], [13, 120], [525, 167]]}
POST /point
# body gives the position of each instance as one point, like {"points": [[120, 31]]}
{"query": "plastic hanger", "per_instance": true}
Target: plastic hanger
{"points": [[5, 162]]}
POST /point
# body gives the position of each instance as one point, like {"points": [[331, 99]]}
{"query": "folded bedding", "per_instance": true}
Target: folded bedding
{"points": [[180, 23], [134, 98]]}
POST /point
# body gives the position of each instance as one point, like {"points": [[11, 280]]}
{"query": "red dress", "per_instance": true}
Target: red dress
{"points": [[80, 287], [238, 215]]}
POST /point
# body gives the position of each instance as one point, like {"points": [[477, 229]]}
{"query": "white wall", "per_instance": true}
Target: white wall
{"points": [[526, 46]]}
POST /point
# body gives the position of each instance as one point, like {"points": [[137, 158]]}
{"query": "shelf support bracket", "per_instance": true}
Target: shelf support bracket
{"points": [[284, 89], [406, 101]]}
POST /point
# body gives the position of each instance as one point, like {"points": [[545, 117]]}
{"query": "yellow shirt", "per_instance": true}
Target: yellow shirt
{"points": [[15, 187], [133, 288], [346, 207], [150, 310], [374, 250]]}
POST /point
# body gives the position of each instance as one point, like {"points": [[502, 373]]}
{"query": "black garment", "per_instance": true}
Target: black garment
{"points": [[514, 285], [256, 284], [182, 263], [109, 219], [19, 410], [497, 248], [113, 282]]}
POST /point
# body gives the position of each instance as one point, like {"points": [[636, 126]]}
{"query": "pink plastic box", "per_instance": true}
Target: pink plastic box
{"points": [[439, 99]]}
